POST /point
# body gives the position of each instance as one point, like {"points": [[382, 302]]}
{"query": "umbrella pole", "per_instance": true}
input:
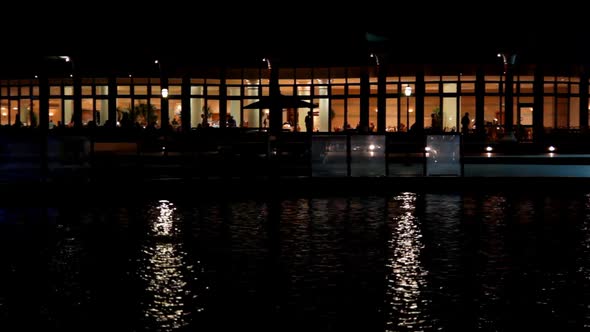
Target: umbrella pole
{"points": [[275, 111]]}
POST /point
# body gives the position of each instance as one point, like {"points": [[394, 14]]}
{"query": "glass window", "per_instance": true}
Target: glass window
{"points": [[213, 90], [548, 112], [86, 90], [155, 89], [373, 111], [493, 117], [196, 109], [467, 78], [68, 112], [337, 90], [374, 88], [391, 88], [432, 113], [492, 87], [123, 90], [102, 90], [196, 90], [101, 114], [431, 87], [574, 119], [526, 88], [4, 111], [175, 113], [391, 120], [140, 90], [548, 88], [337, 115], [55, 90], [468, 87], [449, 87], [234, 91], [175, 90], [55, 112], [354, 90], [353, 108], [68, 90]]}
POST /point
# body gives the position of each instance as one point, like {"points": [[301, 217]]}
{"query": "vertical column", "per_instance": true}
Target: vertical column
{"points": [[222, 99], [419, 100], [44, 103], [164, 102], [381, 91], [509, 105], [112, 101], [276, 112], [480, 89], [509, 60], [253, 116], [77, 100], [538, 104], [185, 95], [44, 123], [304, 90], [584, 100], [323, 120], [365, 93]]}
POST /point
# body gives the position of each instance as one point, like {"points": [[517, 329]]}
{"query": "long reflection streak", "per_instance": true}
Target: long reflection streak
{"points": [[584, 264], [164, 268], [407, 306]]}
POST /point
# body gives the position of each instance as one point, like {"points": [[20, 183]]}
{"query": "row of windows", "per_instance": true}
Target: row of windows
{"points": [[339, 105], [126, 87]]}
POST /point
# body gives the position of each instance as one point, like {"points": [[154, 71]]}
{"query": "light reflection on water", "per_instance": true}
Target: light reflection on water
{"points": [[406, 280], [405, 262], [169, 301], [583, 262]]}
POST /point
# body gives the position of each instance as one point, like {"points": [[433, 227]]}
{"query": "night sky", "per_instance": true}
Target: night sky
{"points": [[420, 33]]}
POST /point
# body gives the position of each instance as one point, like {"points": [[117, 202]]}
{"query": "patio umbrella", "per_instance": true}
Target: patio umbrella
{"points": [[280, 102], [275, 102]]}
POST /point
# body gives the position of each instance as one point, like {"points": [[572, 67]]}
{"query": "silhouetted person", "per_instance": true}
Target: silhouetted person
{"points": [[309, 122], [465, 123], [17, 122]]}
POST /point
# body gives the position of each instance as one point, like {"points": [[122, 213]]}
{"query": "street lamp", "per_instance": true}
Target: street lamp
{"points": [[508, 60], [67, 58], [408, 93], [164, 89]]}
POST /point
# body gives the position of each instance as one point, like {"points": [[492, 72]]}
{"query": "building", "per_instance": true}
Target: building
{"points": [[504, 99]]}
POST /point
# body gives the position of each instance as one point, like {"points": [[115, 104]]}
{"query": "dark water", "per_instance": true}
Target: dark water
{"points": [[406, 262]]}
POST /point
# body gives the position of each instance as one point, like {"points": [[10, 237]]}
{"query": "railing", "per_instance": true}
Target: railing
{"points": [[228, 153]]}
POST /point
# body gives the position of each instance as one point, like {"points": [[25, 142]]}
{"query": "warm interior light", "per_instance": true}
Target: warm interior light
{"points": [[164, 93], [408, 91]]}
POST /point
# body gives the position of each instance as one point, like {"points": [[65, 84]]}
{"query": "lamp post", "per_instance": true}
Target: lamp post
{"points": [[77, 92], [508, 61], [408, 93], [164, 91]]}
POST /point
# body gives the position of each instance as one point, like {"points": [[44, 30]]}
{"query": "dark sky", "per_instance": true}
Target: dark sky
{"points": [[422, 33]]}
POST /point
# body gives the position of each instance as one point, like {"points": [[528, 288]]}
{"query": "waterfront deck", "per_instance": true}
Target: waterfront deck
{"points": [[295, 161]]}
